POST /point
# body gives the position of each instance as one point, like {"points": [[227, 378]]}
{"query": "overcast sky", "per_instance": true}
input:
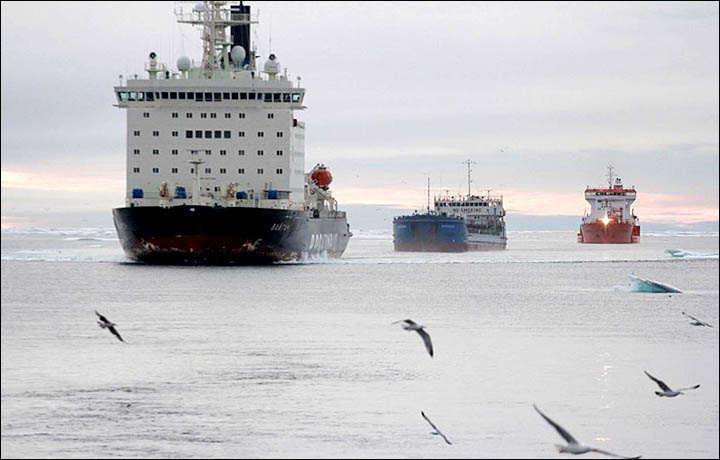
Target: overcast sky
{"points": [[541, 95]]}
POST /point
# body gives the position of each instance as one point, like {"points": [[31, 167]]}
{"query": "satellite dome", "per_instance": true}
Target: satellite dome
{"points": [[183, 63], [237, 54], [272, 65]]}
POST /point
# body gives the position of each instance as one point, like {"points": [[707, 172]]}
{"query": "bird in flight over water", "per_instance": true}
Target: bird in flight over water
{"points": [[666, 390], [436, 432], [574, 446], [696, 322], [410, 325], [105, 323]]}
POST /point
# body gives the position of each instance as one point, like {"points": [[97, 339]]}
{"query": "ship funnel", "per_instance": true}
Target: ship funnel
{"points": [[241, 34]]}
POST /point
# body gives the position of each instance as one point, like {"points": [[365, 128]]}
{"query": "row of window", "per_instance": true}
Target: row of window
{"points": [[198, 134], [241, 152], [205, 115], [209, 170], [150, 96], [463, 204]]}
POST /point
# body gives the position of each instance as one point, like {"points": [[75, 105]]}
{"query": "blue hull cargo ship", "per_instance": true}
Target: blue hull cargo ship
{"points": [[429, 233]]}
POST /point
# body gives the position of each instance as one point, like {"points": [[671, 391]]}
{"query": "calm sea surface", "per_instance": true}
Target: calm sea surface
{"points": [[301, 360]]}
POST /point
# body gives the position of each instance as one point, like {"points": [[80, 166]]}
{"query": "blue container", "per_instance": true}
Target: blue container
{"points": [[272, 194], [137, 193], [241, 195], [180, 193]]}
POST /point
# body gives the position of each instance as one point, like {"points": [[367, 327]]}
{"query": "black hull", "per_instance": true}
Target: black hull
{"points": [[204, 235]]}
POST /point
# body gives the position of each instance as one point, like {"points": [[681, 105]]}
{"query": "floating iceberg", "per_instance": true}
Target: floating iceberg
{"points": [[690, 254], [638, 284]]}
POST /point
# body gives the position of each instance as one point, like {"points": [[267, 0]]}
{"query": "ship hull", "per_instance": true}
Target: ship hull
{"points": [[612, 233], [204, 235], [429, 233], [485, 242]]}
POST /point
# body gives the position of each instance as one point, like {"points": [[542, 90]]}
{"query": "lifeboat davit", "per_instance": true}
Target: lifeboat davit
{"points": [[321, 176]]}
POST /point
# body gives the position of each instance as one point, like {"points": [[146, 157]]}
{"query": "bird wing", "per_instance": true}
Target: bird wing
{"points": [[426, 338], [117, 334], [434, 427], [691, 317], [102, 318], [660, 383], [600, 451], [691, 388], [695, 319], [566, 436]]}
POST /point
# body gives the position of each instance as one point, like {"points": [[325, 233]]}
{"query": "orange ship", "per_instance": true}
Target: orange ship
{"points": [[611, 220]]}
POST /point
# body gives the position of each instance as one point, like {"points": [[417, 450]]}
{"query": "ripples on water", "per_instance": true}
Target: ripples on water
{"points": [[300, 360]]}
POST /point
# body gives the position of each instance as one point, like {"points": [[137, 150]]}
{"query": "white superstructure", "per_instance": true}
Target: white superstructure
{"points": [[220, 132], [484, 216], [613, 203]]}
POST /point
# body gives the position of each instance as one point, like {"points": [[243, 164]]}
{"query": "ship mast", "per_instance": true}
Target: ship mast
{"points": [[468, 163], [428, 206], [610, 176], [215, 18]]}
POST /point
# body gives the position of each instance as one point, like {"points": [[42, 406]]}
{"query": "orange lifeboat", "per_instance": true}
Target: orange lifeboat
{"points": [[321, 176]]}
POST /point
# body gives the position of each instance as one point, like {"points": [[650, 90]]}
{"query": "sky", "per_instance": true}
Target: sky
{"points": [[541, 96]]}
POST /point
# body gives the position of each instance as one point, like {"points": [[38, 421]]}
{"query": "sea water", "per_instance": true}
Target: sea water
{"points": [[301, 359]]}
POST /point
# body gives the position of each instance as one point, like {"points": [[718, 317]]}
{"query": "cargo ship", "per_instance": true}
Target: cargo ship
{"points": [[611, 219], [455, 224], [215, 156]]}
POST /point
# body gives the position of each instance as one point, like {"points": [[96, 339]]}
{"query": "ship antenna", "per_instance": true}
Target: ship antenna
{"points": [[610, 176], [468, 163]]}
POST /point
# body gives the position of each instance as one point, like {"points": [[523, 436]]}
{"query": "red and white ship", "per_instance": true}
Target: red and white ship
{"points": [[611, 220]]}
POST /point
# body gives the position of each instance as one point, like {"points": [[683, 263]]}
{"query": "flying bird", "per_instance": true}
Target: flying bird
{"points": [[666, 390], [573, 446], [410, 325], [436, 432], [105, 323], [696, 322]]}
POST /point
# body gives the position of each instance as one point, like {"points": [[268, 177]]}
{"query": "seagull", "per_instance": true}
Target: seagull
{"points": [[574, 446], [410, 325], [666, 391], [105, 323], [696, 322], [436, 432]]}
